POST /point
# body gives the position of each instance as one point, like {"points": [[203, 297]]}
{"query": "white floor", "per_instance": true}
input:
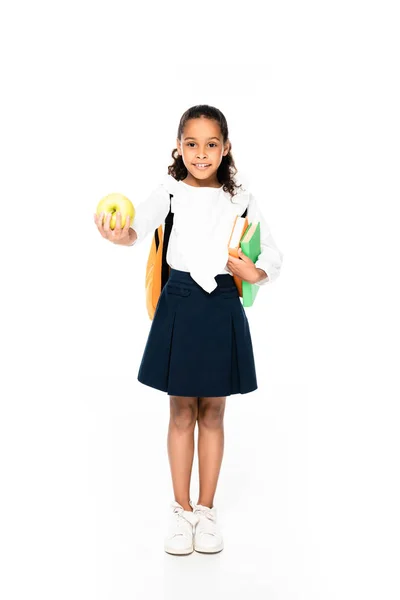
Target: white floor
{"points": [[307, 498], [261, 501], [290, 502]]}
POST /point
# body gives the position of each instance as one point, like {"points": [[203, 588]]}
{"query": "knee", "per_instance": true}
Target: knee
{"points": [[211, 414], [183, 412]]}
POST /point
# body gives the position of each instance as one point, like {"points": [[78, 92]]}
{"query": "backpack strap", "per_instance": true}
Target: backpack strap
{"points": [[169, 221]]}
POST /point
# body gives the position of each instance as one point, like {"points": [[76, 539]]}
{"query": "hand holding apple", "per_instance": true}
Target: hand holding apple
{"points": [[113, 217], [125, 236], [112, 203]]}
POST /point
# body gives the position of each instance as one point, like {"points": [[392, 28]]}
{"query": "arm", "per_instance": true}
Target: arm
{"points": [[270, 259], [149, 215]]}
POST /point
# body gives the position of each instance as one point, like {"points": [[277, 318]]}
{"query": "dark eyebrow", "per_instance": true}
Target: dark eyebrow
{"points": [[192, 138]]}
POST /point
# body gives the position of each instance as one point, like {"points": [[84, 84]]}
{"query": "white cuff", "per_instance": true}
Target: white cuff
{"points": [[266, 279], [139, 235], [271, 271]]}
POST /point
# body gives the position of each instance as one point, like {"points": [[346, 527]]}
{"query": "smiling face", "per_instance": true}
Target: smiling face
{"points": [[202, 144]]}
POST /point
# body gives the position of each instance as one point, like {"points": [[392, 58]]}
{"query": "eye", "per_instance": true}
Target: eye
{"points": [[192, 143]]}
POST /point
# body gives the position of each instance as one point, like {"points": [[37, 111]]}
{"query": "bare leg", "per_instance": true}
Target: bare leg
{"points": [[183, 417], [210, 446]]}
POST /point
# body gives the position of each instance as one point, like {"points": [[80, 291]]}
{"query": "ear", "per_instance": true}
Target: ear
{"points": [[179, 146], [227, 147]]}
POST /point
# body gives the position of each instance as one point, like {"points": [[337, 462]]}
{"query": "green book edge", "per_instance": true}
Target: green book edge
{"points": [[252, 249]]}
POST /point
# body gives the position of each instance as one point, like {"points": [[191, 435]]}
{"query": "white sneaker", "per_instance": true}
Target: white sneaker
{"points": [[207, 537], [181, 530]]}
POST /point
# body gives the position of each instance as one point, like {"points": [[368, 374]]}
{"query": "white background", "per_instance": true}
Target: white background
{"points": [[91, 97]]}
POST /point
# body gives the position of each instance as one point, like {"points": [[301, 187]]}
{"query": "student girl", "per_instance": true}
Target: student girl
{"points": [[199, 349]]}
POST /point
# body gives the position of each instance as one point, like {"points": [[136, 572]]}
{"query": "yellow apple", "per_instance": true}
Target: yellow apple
{"points": [[113, 203]]}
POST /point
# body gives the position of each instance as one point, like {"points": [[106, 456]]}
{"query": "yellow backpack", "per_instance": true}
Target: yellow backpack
{"points": [[157, 268]]}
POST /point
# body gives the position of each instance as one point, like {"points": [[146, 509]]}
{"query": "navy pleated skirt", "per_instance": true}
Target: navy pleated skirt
{"points": [[199, 344]]}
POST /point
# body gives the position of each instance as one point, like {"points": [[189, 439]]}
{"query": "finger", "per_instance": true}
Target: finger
{"points": [[100, 219], [127, 223], [99, 223], [117, 228], [107, 227]]}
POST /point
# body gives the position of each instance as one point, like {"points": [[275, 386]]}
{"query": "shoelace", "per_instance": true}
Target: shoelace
{"points": [[208, 524], [181, 521]]}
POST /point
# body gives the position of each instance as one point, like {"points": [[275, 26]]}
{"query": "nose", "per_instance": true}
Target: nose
{"points": [[201, 155]]}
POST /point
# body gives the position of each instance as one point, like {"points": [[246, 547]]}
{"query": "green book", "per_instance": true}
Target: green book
{"points": [[252, 249]]}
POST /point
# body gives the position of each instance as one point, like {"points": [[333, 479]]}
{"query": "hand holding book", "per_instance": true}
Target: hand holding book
{"points": [[244, 249], [244, 268]]}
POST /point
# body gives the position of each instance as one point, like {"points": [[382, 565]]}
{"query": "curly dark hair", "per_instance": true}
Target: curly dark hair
{"points": [[227, 169]]}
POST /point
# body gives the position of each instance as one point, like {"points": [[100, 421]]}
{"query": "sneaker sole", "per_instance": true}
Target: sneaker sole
{"points": [[209, 550], [183, 552]]}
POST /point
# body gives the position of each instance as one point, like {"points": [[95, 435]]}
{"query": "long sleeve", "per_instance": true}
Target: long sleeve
{"points": [[270, 259], [151, 213]]}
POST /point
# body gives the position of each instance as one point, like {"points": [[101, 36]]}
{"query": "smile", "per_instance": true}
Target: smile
{"points": [[202, 165]]}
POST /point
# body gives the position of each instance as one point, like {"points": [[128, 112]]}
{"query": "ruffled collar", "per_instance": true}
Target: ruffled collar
{"points": [[241, 199]]}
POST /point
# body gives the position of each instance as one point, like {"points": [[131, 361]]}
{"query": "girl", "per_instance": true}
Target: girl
{"points": [[199, 348]]}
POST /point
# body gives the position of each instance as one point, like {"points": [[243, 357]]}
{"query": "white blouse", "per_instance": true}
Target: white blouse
{"points": [[203, 221]]}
